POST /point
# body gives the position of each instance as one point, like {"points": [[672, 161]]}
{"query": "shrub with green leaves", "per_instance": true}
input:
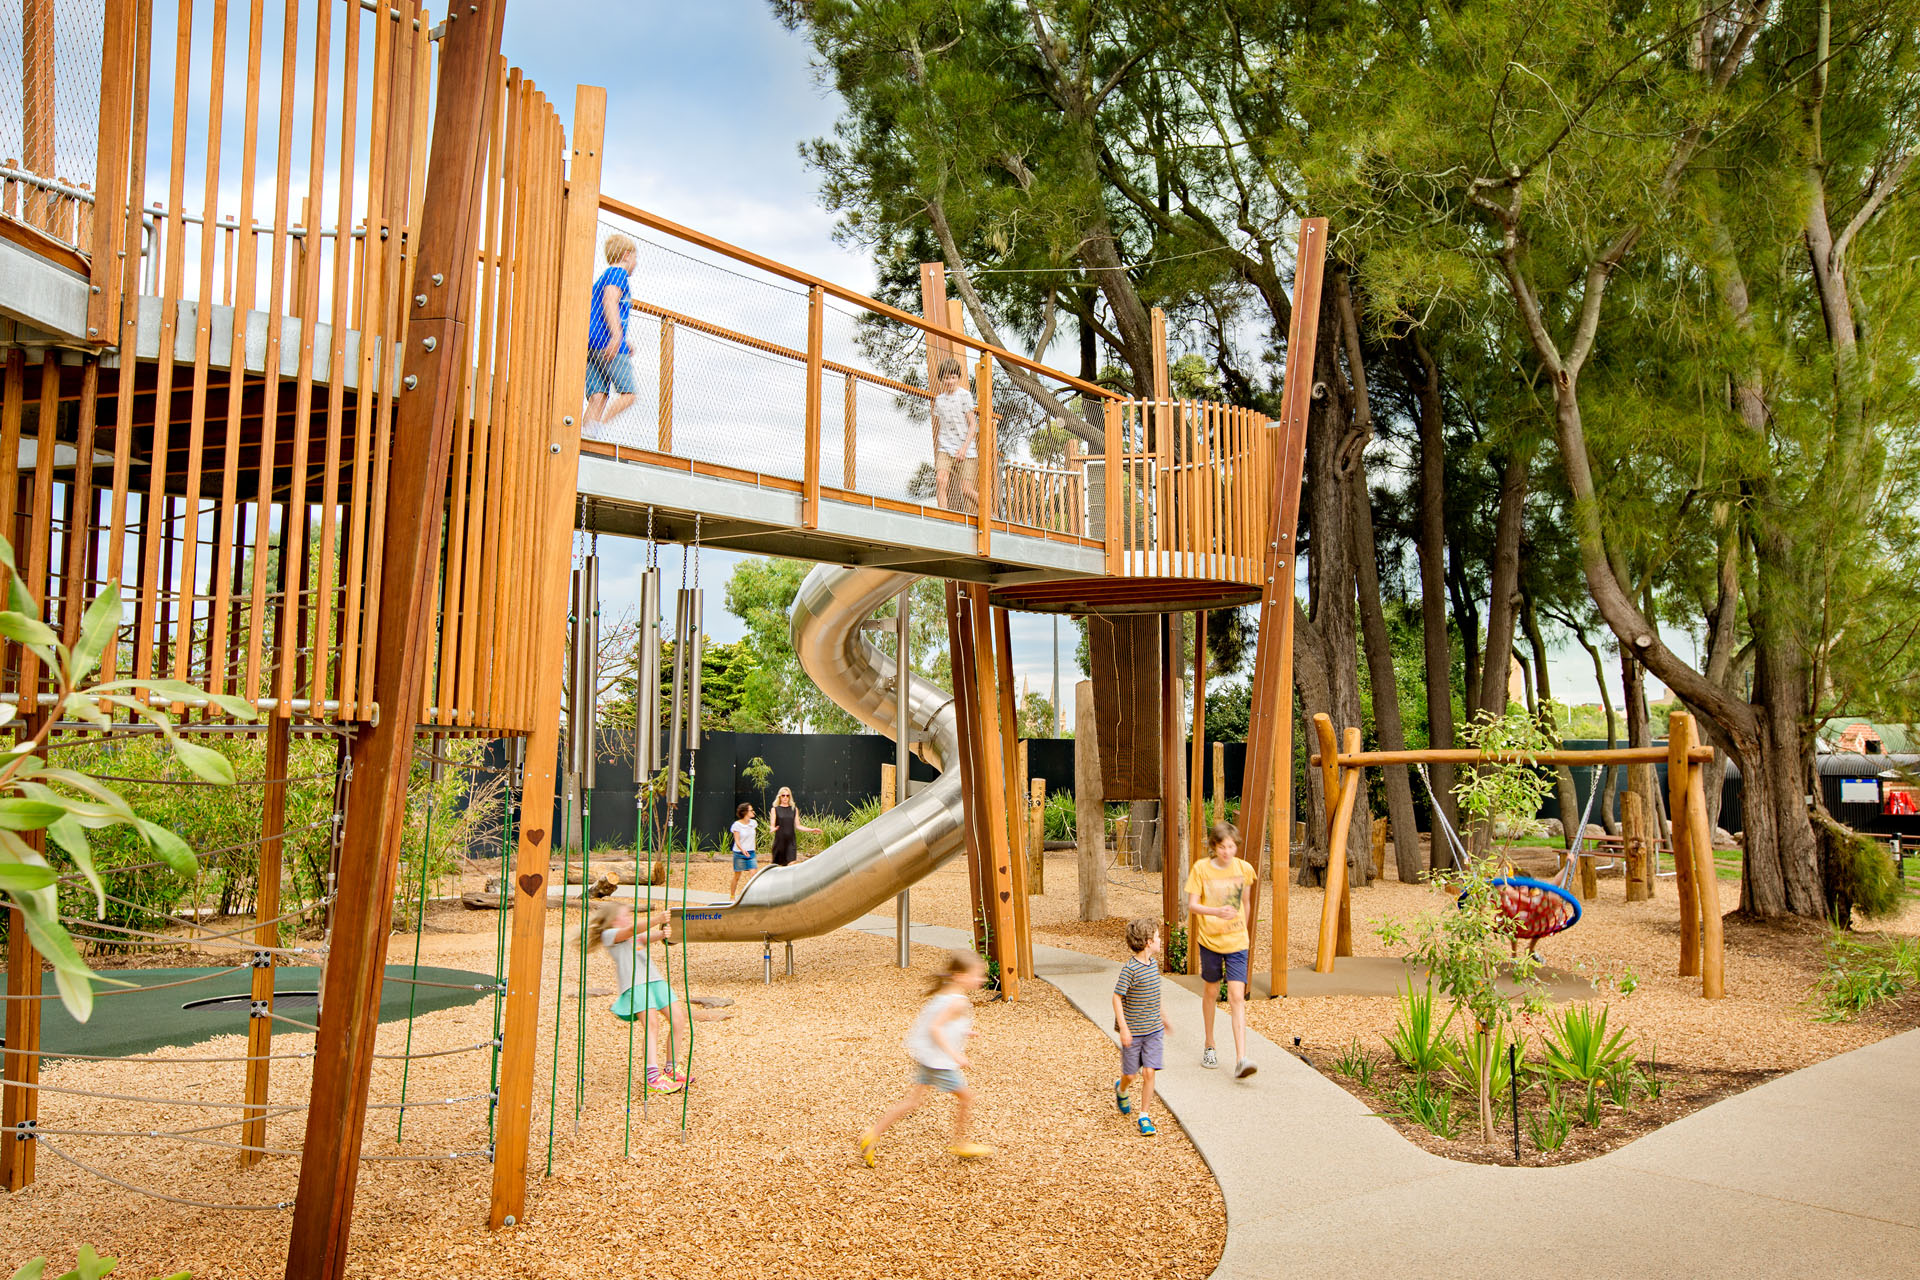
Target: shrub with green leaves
{"points": [[1465, 951], [1580, 1051], [1510, 791], [1861, 972], [88, 1266], [1428, 1103], [38, 795], [1418, 1042], [1549, 1128]]}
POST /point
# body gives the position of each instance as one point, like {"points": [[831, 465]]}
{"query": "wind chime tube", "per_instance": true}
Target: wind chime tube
{"points": [[675, 724], [590, 675], [574, 645], [646, 712], [696, 641]]}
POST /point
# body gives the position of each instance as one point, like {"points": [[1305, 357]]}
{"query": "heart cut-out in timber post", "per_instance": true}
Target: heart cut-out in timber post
{"points": [[536, 834], [1006, 896], [530, 883]]}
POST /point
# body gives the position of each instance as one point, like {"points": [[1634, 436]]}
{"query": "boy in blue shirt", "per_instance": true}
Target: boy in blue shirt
{"points": [[1137, 1013], [609, 360]]}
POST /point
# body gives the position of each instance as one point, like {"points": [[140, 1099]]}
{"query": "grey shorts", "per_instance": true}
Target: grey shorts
{"points": [[945, 1079], [1143, 1052]]}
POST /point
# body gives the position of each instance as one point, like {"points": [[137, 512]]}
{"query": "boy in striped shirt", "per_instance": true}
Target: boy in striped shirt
{"points": [[1143, 1027]]}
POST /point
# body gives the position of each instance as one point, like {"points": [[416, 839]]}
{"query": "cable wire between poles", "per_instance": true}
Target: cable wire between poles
{"points": [[160, 1195]]}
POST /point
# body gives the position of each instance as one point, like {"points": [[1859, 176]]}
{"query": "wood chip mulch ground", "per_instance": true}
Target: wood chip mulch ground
{"points": [[766, 1183]]}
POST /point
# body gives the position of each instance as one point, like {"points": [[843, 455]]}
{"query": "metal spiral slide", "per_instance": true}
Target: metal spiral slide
{"points": [[902, 845]]}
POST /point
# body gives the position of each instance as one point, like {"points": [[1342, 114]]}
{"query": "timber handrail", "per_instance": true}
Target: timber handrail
{"points": [[1466, 755], [714, 244]]}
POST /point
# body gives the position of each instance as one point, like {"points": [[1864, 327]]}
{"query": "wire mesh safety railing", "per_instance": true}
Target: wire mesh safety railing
{"points": [[49, 112], [743, 366], [740, 367]]}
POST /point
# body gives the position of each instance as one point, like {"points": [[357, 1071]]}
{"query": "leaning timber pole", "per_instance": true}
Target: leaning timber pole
{"points": [[1270, 731], [533, 855], [383, 750]]}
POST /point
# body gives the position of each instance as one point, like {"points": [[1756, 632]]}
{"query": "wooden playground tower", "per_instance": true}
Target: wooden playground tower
{"points": [[327, 439]]}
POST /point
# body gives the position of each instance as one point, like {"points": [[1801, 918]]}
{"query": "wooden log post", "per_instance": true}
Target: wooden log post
{"points": [[887, 787], [1089, 807], [1347, 791], [1036, 829], [1343, 940], [1713, 952], [1013, 786], [1686, 879], [965, 704], [1635, 847], [1688, 805], [1196, 784], [1172, 909], [382, 752], [273, 822], [990, 779], [20, 1070], [533, 853], [1220, 783]]}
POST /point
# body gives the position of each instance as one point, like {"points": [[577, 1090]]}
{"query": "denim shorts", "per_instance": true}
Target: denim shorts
{"points": [[945, 1079], [744, 862], [1230, 965], [1143, 1052], [610, 370]]}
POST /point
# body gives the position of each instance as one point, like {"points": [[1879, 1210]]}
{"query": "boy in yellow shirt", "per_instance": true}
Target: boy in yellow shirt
{"points": [[1217, 893]]}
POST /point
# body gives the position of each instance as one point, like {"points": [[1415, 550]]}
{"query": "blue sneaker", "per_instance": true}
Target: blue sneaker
{"points": [[1146, 1127], [1121, 1100]]}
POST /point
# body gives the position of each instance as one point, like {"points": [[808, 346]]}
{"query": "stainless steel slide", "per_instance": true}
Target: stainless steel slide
{"points": [[902, 845]]}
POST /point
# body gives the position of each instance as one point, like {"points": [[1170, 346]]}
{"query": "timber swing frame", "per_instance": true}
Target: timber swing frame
{"points": [[1343, 765]]}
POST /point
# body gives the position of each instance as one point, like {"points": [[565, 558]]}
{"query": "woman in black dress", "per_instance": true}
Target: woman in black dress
{"points": [[786, 825]]}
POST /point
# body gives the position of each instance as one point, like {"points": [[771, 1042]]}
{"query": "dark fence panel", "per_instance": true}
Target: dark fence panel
{"points": [[829, 773]]}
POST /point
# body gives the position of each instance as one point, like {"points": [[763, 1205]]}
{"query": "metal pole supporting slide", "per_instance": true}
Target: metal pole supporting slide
{"points": [[902, 761]]}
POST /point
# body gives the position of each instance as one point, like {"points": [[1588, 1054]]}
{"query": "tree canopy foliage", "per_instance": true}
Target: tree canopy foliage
{"points": [[1618, 339]]}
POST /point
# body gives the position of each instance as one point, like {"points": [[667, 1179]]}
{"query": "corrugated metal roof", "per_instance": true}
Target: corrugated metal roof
{"points": [[1894, 738]]}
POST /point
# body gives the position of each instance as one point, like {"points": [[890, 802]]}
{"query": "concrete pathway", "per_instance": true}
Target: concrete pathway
{"points": [[1813, 1174]]}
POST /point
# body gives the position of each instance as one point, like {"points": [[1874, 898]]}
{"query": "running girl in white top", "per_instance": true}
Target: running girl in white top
{"points": [[937, 1043]]}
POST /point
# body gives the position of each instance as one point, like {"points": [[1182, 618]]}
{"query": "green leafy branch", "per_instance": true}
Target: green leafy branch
{"points": [[65, 804]]}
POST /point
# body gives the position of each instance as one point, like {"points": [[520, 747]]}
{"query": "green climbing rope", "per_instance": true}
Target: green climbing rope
{"points": [[640, 852], [560, 975], [419, 927], [500, 951]]}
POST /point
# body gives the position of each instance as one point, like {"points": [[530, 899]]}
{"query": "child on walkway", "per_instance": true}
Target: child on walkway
{"points": [[643, 989], [609, 359], [1143, 1026], [937, 1043], [743, 834], [1217, 893], [956, 425]]}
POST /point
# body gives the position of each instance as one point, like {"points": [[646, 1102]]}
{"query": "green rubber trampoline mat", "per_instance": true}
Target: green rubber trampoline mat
{"points": [[151, 1016]]}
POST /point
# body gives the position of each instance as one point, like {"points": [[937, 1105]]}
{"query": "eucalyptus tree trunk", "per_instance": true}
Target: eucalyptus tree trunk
{"points": [[1432, 545], [1327, 647], [1563, 789], [1387, 726]]}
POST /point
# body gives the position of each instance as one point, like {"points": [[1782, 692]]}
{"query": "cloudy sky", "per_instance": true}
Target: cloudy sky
{"points": [[707, 106]]}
